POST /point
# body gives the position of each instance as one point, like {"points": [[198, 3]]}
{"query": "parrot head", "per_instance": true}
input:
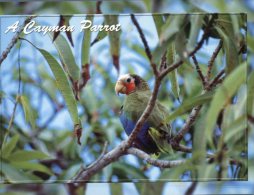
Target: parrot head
{"points": [[129, 83]]}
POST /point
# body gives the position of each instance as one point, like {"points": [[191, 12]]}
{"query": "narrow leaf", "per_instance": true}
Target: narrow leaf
{"points": [[86, 43], [222, 96], [250, 97], [173, 74], [62, 84], [189, 104], [230, 49], [8, 147], [158, 21], [30, 115], [22, 155], [114, 39], [171, 27], [32, 167], [116, 188], [101, 35], [196, 24], [13, 174], [66, 56]]}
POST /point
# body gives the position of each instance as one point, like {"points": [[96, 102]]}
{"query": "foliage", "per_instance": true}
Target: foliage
{"points": [[38, 150]]}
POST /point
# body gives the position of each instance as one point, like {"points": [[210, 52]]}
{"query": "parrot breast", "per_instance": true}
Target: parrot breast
{"points": [[143, 139]]}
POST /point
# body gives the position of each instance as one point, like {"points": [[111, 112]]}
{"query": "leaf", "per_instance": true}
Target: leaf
{"points": [[66, 56], [196, 24], [222, 96], [171, 27], [63, 85], [231, 52], [237, 128], [158, 21], [150, 188], [31, 166], [173, 74], [85, 59], [250, 97], [13, 174], [189, 104], [101, 35], [116, 188], [128, 170], [22, 155], [114, 40], [8, 147], [30, 115]]}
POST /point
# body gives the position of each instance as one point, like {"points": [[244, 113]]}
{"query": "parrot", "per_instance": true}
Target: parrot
{"points": [[154, 135]]}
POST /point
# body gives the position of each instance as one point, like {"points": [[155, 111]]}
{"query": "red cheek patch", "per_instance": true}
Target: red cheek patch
{"points": [[130, 87]]}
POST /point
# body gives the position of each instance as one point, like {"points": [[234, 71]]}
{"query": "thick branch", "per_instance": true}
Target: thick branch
{"points": [[85, 174], [14, 39]]}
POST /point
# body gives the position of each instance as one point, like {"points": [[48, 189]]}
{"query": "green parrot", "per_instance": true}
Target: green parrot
{"points": [[154, 135]]}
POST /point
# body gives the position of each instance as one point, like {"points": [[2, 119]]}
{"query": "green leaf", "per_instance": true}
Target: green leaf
{"points": [[116, 188], [13, 174], [250, 97], [31, 166], [171, 27], [158, 21], [189, 104], [63, 85], [22, 155], [8, 147], [230, 49], [30, 115], [222, 96], [196, 24], [128, 171], [237, 128], [101, 35], [85, 59], [114, 40], [66, 56], [173, 74]]}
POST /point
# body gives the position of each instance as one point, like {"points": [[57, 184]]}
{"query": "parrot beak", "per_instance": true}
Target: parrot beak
{"points": [[120, 88]]}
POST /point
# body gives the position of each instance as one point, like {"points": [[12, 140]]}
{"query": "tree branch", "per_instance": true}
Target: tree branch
{"points": [[211, 61], [147, 48], [155, 162], [14, 39], [199, 70]]}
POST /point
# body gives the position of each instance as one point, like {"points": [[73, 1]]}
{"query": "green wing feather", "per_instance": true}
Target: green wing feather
{"points": [[136, 103]]}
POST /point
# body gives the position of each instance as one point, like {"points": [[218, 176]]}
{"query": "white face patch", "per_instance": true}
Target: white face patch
{"points": [[124, 77]]}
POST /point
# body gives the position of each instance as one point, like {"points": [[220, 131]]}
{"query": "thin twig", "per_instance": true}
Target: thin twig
{"points": [[216, 79], [192, 188], [17, 99], [199, 45], [147, 48], [211, 61], [15, 39], [98, 7], [199, 70], [189, 122]]}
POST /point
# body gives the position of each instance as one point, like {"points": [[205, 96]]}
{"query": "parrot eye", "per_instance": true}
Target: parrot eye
{"points": [[128, 80]]}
